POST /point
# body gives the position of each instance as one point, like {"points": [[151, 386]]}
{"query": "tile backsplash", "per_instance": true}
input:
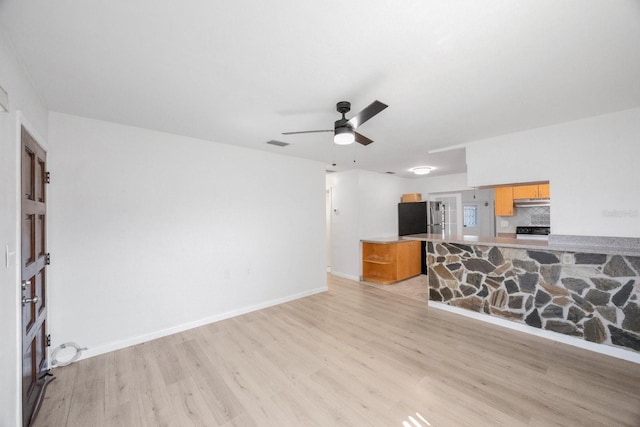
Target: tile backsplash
{"points": [[524, 216]]}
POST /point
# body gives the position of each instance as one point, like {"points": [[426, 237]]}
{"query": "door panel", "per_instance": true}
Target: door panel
{"points": [[33, 276]]}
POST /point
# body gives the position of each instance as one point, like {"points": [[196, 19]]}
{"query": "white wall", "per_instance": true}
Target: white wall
{"points": [[379, 195], [24, 107], [592, 165], [152, 233], [365, 205], [437, 184]]}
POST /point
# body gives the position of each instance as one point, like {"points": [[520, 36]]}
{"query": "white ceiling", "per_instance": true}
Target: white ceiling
{"points": [[243, 71]]}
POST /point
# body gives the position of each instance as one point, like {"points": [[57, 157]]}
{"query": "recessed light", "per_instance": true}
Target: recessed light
{"points": [[421, 170]]}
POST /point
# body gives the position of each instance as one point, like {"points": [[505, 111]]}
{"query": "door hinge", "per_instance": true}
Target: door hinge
{"points": [[47, 177], [47, 259], [49, 340]]}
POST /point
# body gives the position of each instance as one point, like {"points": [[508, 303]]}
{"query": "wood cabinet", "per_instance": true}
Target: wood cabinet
{"points": [[525, 191], [534, 191], [391, 262], [506, 195], [504, 201], [544, 190]]}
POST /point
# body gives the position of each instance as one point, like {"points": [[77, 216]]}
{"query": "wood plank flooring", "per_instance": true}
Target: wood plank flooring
{"points": [[353, 356]]}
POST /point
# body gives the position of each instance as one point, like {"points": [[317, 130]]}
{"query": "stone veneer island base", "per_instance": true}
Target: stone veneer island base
{"points": [[591, 293]]}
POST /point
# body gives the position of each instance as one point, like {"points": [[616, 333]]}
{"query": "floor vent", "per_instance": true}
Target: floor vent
{"points": [[278, 143]]}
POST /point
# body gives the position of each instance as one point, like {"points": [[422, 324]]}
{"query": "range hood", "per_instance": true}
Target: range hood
{"points": [[531, 203]]}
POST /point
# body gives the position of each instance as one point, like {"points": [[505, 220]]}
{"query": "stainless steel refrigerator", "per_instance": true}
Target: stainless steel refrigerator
{"points": [[435, 217]]}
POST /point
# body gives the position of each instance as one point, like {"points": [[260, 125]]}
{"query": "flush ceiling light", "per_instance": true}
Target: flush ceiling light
{"points": [[344, 136], [421, 170], [4, 100]]}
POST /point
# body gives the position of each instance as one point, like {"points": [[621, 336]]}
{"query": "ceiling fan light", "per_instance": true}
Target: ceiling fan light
{"points": [[344, 136], [421, 170]]}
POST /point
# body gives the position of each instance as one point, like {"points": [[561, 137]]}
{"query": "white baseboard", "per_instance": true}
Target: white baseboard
{"points": [[608, 350], [117, 345], [345, 276]]}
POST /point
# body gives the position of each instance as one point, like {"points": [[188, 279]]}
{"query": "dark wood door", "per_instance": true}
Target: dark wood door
{"points": [[34, 278]]}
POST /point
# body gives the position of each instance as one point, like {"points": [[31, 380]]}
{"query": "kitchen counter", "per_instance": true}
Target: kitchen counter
{"points": [[393, 239], [580, 286], [585, 244]]}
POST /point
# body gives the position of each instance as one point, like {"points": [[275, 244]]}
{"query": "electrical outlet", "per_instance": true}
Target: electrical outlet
{"points": [[567, 258]]}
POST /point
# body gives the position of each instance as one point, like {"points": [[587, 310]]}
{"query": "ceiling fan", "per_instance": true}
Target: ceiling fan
{"points": [[345, 130]]}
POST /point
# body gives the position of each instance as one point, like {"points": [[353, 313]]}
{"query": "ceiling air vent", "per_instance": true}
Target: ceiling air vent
{"points": [[278, 143], [390, 173]]}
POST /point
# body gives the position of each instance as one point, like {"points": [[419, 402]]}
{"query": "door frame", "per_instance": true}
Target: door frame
{"points": [[328, 200], [458, 196], [22, 121]]}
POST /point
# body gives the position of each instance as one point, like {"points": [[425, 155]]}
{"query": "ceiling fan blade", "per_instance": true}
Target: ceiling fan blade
{"points": [[307, 131], [374, 108], [361, 139]]}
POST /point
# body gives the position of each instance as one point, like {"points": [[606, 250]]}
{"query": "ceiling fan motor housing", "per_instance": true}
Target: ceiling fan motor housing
{"points": [[343, 107], [342, 123]]}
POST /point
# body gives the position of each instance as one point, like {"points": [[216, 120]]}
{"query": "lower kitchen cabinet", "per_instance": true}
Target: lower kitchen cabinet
{"points": [[390, 262]]}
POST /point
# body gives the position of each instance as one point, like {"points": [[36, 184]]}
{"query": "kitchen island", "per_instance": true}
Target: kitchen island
{"points": [[585, 287]]}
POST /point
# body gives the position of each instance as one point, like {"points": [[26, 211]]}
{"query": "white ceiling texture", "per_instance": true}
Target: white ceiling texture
{"points": [[241, 72]]}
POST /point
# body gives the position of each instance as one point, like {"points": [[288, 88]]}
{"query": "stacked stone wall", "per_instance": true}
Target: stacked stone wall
{"points": [[590, 296]]}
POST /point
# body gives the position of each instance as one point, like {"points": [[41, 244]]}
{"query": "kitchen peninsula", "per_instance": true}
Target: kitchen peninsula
{"points": [[586, 287]]}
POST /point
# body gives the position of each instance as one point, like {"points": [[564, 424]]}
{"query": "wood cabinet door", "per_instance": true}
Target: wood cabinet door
{"points": [[402, 264], [504, 201], [544, 190], [525, 191], [415, 255]]}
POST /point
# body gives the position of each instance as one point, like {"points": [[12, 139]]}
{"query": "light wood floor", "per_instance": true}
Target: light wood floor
{"points": [[354, 356]]}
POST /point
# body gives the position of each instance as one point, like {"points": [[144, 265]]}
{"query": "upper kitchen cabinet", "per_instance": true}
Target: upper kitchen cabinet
{"points": [[544, 190], [534, 191], [525, 191], [504, 201], [506, 195]]}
